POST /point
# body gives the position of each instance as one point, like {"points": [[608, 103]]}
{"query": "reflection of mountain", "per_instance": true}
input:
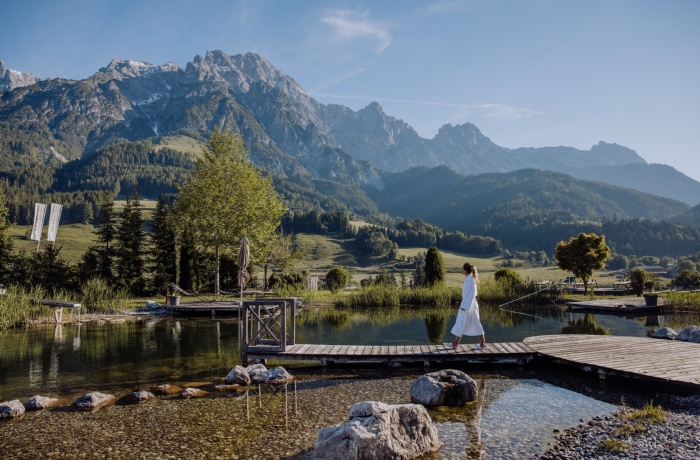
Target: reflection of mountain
{"points": [[435, 325], [585, 325]]}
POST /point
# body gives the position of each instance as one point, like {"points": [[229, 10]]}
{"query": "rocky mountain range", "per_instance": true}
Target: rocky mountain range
{"points": [[285, 129]]}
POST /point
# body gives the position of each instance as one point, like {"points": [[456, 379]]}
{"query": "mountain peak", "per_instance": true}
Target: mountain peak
{"points": [[11, 79]]}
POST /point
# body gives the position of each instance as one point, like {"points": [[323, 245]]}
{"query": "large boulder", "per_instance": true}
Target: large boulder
{"points": [[40, 403], [378, 431], [685, 333], [93, 401], [447, 387], [11, 409], [238, 376], [664, 333], [275, 376]]}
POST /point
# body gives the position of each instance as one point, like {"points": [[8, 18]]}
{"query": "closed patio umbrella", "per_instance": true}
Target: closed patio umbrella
{"points": [[243, 278]]}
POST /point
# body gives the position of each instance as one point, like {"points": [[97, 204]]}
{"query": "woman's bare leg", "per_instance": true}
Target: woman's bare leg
{"points": [[482, 340]]}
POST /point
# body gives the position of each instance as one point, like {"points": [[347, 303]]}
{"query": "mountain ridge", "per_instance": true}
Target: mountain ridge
{"points": [[284, 128]]}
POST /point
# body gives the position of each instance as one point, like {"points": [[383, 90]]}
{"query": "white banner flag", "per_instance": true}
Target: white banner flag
{"points": [[54, 219], [39, 213]]}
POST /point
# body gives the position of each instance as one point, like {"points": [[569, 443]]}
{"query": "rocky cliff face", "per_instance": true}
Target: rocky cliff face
{"points": [[11, 79], [285, 129]]}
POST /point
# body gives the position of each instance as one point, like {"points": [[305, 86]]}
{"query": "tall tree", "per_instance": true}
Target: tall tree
{"points": [[131, 240], [106, 234], [434, 268], [582, 255], [225, 199], [6, 243], [163, 251]]}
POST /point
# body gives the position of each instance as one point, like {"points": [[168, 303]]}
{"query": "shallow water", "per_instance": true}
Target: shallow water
{"points": [[516, 418]]}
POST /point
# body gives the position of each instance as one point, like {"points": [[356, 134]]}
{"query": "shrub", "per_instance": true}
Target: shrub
{"points": [[337, 278], [98, 296]]}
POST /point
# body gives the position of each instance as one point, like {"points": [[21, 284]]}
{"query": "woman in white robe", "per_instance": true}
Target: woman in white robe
{"points": [[468, 322]]}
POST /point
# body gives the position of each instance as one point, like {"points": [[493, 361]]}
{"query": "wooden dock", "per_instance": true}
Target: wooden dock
{"points": [[495, 352], [629, 305], [656, 360], [205, 308]]}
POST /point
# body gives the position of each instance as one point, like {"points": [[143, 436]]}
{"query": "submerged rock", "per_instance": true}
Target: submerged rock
{"points": [[142, 396], [166, 389], [376, 430], [192, 393]]}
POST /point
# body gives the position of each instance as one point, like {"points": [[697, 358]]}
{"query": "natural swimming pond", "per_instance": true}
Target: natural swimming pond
{"points": [[519, 411]]}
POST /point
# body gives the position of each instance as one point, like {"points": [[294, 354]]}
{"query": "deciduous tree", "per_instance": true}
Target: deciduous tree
{"points": [[582, 255], [225, 199]]}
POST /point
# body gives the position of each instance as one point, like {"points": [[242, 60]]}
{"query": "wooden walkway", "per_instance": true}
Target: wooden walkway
{"points": [[656, 360], [495, 352], [628, 305]]}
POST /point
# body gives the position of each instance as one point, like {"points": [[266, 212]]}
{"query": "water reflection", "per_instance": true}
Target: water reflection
{"points": [[585, 325], [80, 356]]}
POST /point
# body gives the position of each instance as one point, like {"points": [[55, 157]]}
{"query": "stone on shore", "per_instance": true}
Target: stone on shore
{"points": [[11, 409], [377, 431], [694, 337], [93, 401], [685, 333], [40, 403], [447, 387], [665, 333], [238, 376], [275, 376]]}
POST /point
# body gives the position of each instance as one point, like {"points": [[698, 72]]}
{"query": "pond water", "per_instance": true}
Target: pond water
{"points": [[517, 416]]}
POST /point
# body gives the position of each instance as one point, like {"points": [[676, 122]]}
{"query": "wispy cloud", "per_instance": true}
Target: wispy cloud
{"points": [[350, 25], [484, 110], [443, 6]]}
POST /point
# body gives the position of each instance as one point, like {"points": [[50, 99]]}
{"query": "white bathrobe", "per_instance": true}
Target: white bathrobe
{"points": [[468, 322]]}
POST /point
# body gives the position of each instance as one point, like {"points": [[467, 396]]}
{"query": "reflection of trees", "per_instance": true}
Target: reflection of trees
{"points": [[512, 316], [585, 325], [435, 325]]}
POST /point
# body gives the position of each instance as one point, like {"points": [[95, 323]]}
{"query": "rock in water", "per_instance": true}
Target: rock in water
{"points": [[447, 387], [378, 431], [11, 409], [40, 402], [93, 401], [238, 376]]}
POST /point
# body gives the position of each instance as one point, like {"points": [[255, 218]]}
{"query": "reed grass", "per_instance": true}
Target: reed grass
{"points": [[687, 301], [99, 297], [19, 307]]}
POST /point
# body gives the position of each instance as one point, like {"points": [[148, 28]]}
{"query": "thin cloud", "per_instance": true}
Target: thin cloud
{"points": [[444, 6], [348, 25], [486, 110]]}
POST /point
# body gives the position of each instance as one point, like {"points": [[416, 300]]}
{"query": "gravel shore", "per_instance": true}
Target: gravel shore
{"points": [[616, 436]]}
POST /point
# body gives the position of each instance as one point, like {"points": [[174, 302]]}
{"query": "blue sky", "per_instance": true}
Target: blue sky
{"points": [[526, 73]]}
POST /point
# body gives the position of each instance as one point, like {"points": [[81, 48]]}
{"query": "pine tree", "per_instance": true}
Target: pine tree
{"points": [[130, 250], [434, 268], [163, 252], [6, 243], [106, 233]]}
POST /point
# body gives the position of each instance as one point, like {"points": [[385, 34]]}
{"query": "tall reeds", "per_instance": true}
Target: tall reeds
{"points": [[99, 297], [19, 307]]}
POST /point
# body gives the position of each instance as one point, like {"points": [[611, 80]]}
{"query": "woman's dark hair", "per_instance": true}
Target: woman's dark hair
{"points": [[471, 269]]}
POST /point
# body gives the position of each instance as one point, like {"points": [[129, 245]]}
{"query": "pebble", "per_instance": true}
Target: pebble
{"points": [[677, 437]]}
